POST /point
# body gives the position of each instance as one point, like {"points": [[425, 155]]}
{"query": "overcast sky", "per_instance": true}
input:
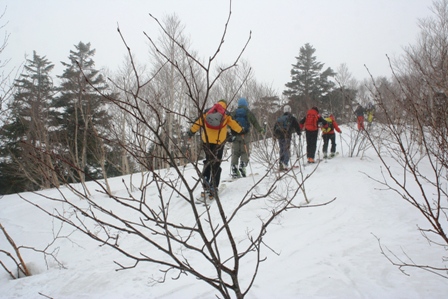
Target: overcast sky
{"points": [[354, 32]]}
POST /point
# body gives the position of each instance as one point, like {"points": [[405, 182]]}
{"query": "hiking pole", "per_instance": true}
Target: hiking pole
{"points": [[302, 186], [248, 162], [230, 164], [296, 149], [342, 148]]}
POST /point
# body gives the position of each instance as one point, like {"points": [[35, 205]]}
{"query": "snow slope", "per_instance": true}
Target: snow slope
{"points": [[331, 251]]}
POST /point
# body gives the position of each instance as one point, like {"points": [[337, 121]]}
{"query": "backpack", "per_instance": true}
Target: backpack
{"points": [[214, 118], [241, 117], [281, 127], [329, 126], [311, 119]]}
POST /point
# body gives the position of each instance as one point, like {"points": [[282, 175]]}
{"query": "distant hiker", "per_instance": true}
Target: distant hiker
{"points": [[311, 124], [359, 112], [370, 113], [241, 142], [329, 135], [283, 129], [213, 122]]}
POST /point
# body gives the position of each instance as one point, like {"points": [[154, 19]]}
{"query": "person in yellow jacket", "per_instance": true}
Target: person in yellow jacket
{"points": [[329, 135], [213, 122]]}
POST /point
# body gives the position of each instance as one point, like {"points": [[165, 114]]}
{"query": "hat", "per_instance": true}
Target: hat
{"points": [[287, 108], [224, 102], [242, 102]]}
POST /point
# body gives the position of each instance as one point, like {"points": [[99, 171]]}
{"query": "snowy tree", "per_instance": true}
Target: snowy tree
{"points": [[310, 83], [25, 136], [5, 87], [80, 114], [414, 129]]}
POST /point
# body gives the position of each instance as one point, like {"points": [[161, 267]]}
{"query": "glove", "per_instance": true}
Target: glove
{"points": [[190, 134]]}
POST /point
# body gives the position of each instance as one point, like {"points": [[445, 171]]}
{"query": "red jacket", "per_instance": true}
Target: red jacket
{"points": [[335, 127], [311, 120]]}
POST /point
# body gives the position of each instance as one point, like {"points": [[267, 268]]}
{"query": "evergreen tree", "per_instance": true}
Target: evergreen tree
{"points": [[81, 116], [309, 83], [25, 138]]}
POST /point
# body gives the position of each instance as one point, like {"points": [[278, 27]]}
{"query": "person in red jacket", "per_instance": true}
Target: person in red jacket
{"points": [[311, 125], [329, 135], [359, 112]]}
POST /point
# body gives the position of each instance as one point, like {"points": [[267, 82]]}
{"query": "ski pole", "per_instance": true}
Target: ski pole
{"points": [[296, 149], [248, 156], [342, 148]]}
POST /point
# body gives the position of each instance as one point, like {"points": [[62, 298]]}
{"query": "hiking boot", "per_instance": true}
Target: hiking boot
{"points": [[311, 160], [235, 172], [332, 155], [204, 195], [283, 166], [212, 193], [243, 169], [325, 156]]}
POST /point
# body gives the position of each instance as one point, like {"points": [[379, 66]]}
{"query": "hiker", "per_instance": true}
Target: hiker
{"points": [[359, 112], [241, 142], [370, 112], [213, 122], [329, 135], [311, 125], [283, 129]]}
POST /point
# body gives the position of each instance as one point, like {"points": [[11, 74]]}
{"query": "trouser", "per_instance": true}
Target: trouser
{"points": [[327, 138], [240, 149], [212, 165], [311, 143], [360, 122], [285, 145]]}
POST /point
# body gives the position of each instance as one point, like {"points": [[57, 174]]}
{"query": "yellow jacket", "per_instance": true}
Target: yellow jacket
{"points": [[215, 136]]}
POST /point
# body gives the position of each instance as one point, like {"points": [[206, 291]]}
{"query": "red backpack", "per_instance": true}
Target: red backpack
{"points": [[214, 118], [311, 120]]}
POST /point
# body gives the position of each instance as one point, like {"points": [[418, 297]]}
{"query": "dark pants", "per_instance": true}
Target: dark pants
{"points": [[311, 143], [285, 145], [327, 138], [212, 165]]}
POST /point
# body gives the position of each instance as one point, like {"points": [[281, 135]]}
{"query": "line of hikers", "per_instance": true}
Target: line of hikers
{"points": [[220, 126]]}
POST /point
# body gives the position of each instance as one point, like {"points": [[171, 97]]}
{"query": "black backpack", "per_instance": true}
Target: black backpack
{"points": [[281, 127]]}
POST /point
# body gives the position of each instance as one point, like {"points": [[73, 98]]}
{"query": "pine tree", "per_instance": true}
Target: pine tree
{"points": [[309, 83], [81, 116], [25, 138]]}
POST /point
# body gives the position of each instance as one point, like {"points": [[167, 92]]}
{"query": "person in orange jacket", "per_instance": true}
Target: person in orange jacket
{"points": [[213, 141], [329, 135], [311, 124]]}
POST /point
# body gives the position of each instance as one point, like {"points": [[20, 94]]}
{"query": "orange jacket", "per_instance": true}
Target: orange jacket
{"points": [[215, 136]]}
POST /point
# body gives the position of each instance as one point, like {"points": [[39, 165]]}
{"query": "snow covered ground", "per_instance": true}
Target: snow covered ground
{"points": [[330, 251]]}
